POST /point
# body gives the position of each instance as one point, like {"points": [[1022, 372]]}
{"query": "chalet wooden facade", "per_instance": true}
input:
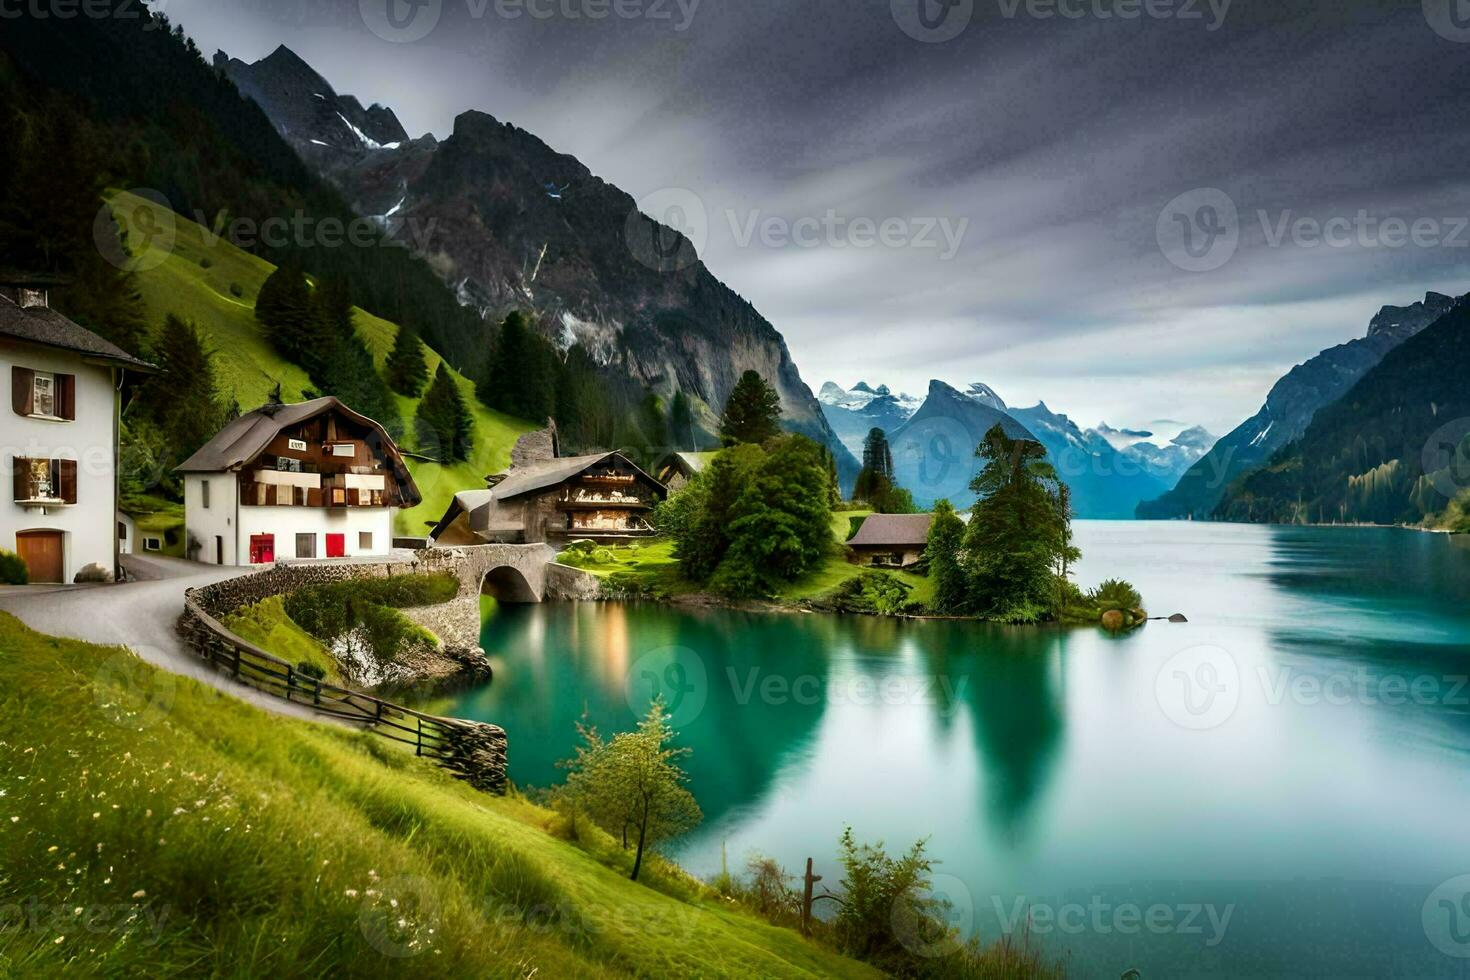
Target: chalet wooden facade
{"points": [[604, 497], [312, 480]]}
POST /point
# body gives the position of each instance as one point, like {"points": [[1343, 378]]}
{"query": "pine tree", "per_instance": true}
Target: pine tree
{"points": [[284, 307], [752, 412], [681, 422], [444, 426], [521, 374], [182, 397], [340, 363], [408, 371]]}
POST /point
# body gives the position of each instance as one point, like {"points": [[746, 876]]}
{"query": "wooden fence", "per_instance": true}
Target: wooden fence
{"points": [[473, 751]]}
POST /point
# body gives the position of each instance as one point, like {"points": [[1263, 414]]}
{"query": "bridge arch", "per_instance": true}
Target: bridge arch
{"points": [[506, 583]]}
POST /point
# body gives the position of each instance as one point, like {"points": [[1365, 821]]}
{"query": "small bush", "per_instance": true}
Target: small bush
{"points": [[1116, 594], [308, 669], [205, 262], [236, 291], [872, 592], [13, 570]]}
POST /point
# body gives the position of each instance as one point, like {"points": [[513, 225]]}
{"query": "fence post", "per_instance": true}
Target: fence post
{"points": [[290, 680], [807, 881]]}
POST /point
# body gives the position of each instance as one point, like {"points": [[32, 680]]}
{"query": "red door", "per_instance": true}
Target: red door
{"points": [[336, 546], [262, 549]]}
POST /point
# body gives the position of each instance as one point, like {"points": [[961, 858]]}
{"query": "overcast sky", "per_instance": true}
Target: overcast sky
{"points": [[1047, 147]]}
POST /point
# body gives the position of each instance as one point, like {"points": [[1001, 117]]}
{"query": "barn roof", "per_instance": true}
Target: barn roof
{"points": [[893, 530]]}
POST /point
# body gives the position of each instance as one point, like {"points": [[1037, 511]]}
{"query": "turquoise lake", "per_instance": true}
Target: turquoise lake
{"points": [[1279, 787]]}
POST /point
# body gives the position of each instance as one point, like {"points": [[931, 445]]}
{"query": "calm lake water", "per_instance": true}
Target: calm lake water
{"points": [[1280, 787]]}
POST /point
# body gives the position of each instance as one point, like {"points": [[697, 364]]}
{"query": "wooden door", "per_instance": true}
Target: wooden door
{"points": [[41, 551]]}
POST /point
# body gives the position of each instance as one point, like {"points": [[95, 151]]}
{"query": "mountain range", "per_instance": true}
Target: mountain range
{"points": [[509, 223], [1108, 470], [1391, 450], [1290, 408]]}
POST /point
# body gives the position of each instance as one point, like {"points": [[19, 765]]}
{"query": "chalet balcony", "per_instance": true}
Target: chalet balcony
{"points": [[602, 501], [279, 488]]}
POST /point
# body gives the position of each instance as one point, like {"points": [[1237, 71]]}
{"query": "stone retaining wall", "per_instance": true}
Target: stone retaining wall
{"points": [[563, 582]]}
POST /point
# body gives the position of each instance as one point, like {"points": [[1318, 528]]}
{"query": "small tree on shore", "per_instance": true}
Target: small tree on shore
{"points": [[633, 786], [946, 569]]}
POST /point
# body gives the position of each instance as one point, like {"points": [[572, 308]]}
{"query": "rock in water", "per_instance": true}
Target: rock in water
{"points": [[1112, 620], [1178, 618]]}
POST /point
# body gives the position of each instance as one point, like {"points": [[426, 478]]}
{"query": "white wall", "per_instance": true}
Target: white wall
{"points": [[89, 525], [215, 521], [286, 522]]}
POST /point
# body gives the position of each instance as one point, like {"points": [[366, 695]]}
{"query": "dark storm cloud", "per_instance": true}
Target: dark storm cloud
{"points": [[1053, 143]]}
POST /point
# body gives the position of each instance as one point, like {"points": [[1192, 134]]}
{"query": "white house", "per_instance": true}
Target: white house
{"points": [[58, 441], [311, 480]]}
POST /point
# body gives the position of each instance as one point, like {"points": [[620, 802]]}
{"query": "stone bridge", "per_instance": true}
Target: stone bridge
{"points": [[512, 573]]}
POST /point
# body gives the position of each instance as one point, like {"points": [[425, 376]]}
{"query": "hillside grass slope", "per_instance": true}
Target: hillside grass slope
{"points": [[169, 830], [195, 274]]}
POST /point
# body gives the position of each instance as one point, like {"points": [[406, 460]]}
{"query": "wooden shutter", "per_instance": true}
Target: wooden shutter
{"points": [[22, 390], [66, 396], [22, 477], [67, 480]]}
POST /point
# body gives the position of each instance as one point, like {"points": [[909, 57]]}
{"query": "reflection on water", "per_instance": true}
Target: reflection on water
{"points": [[1321, 810]]}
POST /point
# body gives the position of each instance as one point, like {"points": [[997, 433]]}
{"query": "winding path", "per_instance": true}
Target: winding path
{"points": [[139, 615]]}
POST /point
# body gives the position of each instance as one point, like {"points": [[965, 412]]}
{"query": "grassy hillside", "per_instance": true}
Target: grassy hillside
{"points": [[205, 279], [167, 830]]}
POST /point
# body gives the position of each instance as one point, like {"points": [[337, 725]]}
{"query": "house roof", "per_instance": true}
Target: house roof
{"points": [[43, 325], [242, 441], [687, 463], [464, 502], [892, 530], [548, 473]]}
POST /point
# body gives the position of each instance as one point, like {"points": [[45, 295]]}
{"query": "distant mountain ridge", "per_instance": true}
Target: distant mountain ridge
{"points": [[510, 223], [1391, 450], [1290, 408], [1109, 471]]}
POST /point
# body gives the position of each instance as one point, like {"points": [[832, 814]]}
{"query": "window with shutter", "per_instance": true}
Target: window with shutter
{"points": [[66, 396], [22, 389], [21, 468], [67, 482]]}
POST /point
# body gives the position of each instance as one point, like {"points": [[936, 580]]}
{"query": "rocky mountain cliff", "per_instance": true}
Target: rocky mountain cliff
{"points": [[1289, 409], [511, 223]]}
